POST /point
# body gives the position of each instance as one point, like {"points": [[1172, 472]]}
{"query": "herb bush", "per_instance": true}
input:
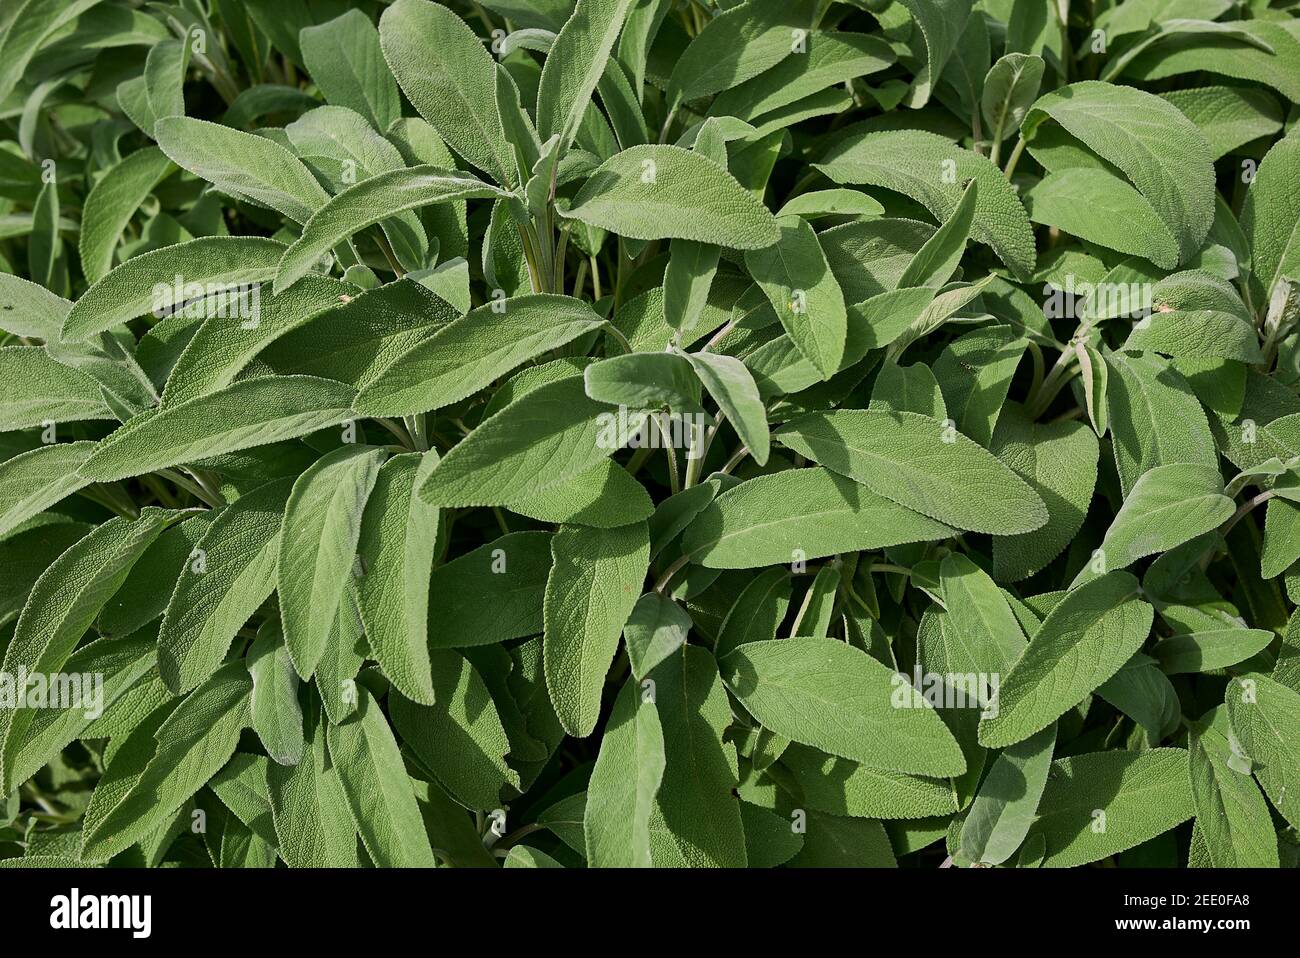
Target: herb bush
{"points": [[649, 432]]}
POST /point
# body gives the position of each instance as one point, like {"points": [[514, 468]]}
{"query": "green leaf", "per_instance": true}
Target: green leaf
{"points": [[941, 23], [313, 824], [934, 263], [732, 387], [1007, 803], [1211, 650], [919, 463], [1059, 462], [521, 856], [27, 309], [1264, 716], [318, 543], [345, 60], [227, 576], [397, 545], [463, 356], [459, 737], [1085, 639], [492, 594], [1155, 419], [120, 663], [1269, 217], [242, 165], [1157, 148], [112, 202], [63, 603], [624, 782], [1197, 334], [645, 381], [576, 61], [252, 412], [378, 791], [276, 715], [26, 28], [35, 390], [933, 172], [447, 74], [27, 553], [223, 346], [824, 693], [35, 480], [1231, 815], [595, 579], [1167, 506], [656, 628], [1228, 56], [536, 443], [665, 192], [690, 272], [604, 496], [978, 612], [737, 44], [804, 293], [192, 744], [696, 822], [837, 786], [133, 289], [975, 373], [1094, 376], [1101, 803], [1100, 207], [1229, 117], [800, 514], [830, 59], [369, 202], [837, 202], [757, 612], [1010, 87]]}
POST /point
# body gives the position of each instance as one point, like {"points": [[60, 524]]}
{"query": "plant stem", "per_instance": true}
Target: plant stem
{"points": [[416, 428], [736, 458], [1244, 508], [193, 487], [671, 571], [1014, 158], [392, 426], [618, 334], [674, 483], [389, 255]]}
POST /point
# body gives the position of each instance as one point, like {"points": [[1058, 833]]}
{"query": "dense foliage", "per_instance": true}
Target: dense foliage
{"points": [[649, 432]]}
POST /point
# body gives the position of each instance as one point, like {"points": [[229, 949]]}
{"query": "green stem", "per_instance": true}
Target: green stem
{"points": [[193, 487], [113, 498], [416, 427], [389, 255], [1014, 158], [671, 571], [400, 433], [736, 458], [1243, 509], [638, 460], [674, 483], [618, 334], [695, 457]]}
